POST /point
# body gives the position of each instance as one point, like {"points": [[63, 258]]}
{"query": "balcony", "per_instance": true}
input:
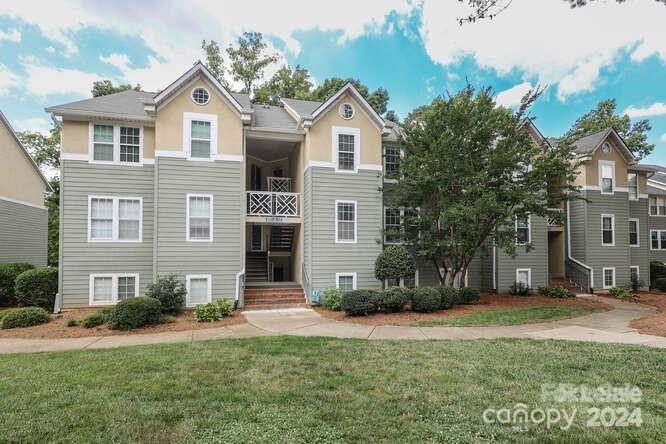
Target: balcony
{"points": [[553, 223], [273, 204]]}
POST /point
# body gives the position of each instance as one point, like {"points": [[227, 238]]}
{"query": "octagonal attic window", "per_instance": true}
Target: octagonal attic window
{"points": [[200, 96]]}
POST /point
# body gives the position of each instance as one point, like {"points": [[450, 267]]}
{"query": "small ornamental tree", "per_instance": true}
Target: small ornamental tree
{"points": [[170, 291], [394, 263]]}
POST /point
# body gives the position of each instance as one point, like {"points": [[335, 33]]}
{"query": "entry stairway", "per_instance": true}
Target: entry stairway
{"points": [[273, 295]]}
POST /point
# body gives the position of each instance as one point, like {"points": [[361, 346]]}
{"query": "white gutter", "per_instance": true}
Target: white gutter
{"points": [[569, 256]]}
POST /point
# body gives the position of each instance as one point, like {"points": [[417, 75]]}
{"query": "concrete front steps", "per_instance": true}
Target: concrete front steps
{"points": [[274, 296]]}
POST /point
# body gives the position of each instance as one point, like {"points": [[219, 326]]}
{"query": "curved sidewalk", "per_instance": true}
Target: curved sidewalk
{"points": [[609, 326]]}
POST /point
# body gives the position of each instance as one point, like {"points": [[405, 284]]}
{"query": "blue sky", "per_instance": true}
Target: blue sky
{"points": [[50, 53]]}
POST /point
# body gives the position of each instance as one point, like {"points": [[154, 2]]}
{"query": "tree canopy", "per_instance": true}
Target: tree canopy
{"points": [[105, 87], [378, 98], [249, 59], [288, 83], [214, 61]]}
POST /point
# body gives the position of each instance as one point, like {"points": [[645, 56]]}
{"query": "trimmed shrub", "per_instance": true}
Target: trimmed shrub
{"points": [[135, 312], [519, 289], [619, 292], [448, 297], [37, 287], [224, 307], [394, 262], [25, 317], [426, 299], [170, 291], [213, 311], [660, 284], [556, 291], [8, 275], [360, 302], [332, 299], [394, 299], [469, 295], [101, 316]]}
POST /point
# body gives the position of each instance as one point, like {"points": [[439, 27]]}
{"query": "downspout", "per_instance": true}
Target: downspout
{"points": [[155, 213], [495, 286], [569, 256]]}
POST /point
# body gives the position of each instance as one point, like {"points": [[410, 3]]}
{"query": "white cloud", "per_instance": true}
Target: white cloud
{"points": [[43, 80], [656, 109], [547, 40], [38, 124], [12, 36], [512, 96], [7, 79], [663, 138], [120, 61]]}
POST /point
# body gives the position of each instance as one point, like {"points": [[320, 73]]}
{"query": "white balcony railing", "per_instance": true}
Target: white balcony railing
{"points": [[269, 203], [279, 184]]}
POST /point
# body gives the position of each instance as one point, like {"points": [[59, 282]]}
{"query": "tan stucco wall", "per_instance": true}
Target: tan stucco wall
{"points": [[592, 166], [75, 138], [148, 142], [642, 183], [18, 178], [169, 121], [318, 139]]}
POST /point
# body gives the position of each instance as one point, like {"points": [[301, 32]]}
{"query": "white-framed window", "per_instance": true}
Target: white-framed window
{"points": [[608, 230], [115, 144], [345, 221], [199, 136], [658, 239], [199, 289], [109, 288], [657, 206], [608, 274], [524, 276], [634, 273], [523, 229], [632, 185], [345, 281], [392, 156], [346, 149], [346, 111], [634, 235], [392, 225], [407, 282], [199, 217], [200, 96], [115, 219], [607, 176]]}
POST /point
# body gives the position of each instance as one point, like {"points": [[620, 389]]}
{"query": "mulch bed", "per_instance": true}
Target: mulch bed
{"points": [[486, 302], [653, 324], [57, 327]]}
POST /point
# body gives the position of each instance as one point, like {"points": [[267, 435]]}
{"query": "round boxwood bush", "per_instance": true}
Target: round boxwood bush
{"points": [[449, 296], [394, 262], [360, 302], [170, 291], [8, 275], [394, 299], [469, 295], [135, 312], [426, 299], [25, 317], [37, 287], [660, 284]]}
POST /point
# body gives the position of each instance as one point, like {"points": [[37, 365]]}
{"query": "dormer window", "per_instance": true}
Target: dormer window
{"points": [[606, 176], [200, 96], [346, 111]]}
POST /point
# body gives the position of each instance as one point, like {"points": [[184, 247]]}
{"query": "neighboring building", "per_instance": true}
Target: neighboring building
{"points": [[656, 190], [198, 181], [23, 216]]}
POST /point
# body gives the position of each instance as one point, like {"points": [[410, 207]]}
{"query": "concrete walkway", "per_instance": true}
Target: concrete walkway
{"points": [[608, 326]]}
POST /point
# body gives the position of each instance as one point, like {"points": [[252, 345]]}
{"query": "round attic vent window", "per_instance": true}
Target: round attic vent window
{"points": [[200, 96], [346, 111], [606, 147]]}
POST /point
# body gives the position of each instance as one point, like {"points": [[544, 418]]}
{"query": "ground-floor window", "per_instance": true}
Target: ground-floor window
{"points": [[199, 289], [609, 277], [634, 273], [109, 288], [407, 282], [345, 281], [658, 239], [524, 276]]}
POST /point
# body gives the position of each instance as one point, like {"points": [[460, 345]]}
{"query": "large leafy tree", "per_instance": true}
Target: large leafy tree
{"points": [[378, 98], [249, 58], [605, 116], [286, 82], [214, 60], [470, 169], [106, 87]]}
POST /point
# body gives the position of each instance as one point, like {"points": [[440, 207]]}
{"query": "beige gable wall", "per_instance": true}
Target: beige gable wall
{"points": [[75, 138], [318, 140], [18, 178], [169, 121], [592, 165]]}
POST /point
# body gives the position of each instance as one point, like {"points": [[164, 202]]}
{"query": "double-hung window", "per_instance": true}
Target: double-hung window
{"points": [[392, 225], [657, 206], [634, 273], [607, 230], [658, 239], [607, 176], [346, 152], [199, 217], [523, 229], [130, 144], [200, 136], [345, 221], [524, 276], [103, 143], [632, 184], [346, 149], [633, 233], [410, 281], [200, 139], [109, 288], [199, 289], [345, 281], [115, 218], [115, 144], [391, 162], [609, 277]]}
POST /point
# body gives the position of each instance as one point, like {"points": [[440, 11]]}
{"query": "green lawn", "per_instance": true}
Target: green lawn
{"points": [[290, 389], [511, 316]]}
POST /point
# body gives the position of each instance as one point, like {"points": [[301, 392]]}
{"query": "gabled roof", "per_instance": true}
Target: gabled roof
{"points": [[530, 124], [589, 144], [5, 122], [128, 105], [273, 117]]}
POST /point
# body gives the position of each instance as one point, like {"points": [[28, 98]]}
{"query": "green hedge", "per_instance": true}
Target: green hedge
{"points": [[25, 317], [469, 295], [394, 299], [426, 299], [449, 296], [101, 316], [360, 302], [135, 312], [8, 275], [660, 284], [556, 291], [213, 311], [37, 287]]}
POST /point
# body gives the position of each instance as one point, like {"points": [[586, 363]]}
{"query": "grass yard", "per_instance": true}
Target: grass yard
{"points": [[512, 316], [291, 389]]}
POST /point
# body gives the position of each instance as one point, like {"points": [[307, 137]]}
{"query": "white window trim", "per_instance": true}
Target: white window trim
{"points": [[351, 273], [601, 229], [611, 163], [116, 219], [657, 199], [356, 132], [114, 287], [208, 277], [187, 134], [192, 96], [529, 230], [345, 241], [342, 115], [658, 240], [401, 284], [187, 217], [629, 187], [529, 275], [402, 156], [116, 144], [603, 277], [402, 215], [638, 271], [638, 232]]}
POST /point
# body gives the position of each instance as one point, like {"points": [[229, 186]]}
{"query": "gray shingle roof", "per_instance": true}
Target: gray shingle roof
{"points": [[128, 104], [655, 190], [302, 107], [268, 116], [588, 143], [659, 177], [243, 99]]}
